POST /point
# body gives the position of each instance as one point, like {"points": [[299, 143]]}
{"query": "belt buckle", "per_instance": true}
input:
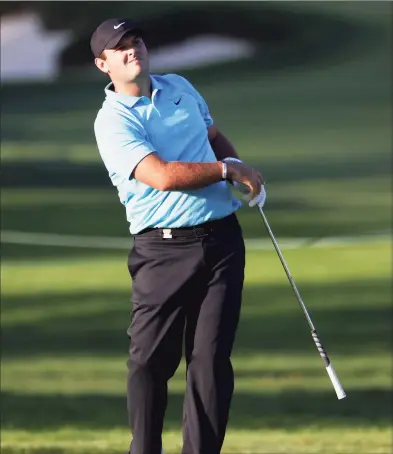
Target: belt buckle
{"points": [[167, 234]]}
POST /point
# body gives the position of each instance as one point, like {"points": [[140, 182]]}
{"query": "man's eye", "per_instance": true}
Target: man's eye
{"points": [[135, 42]]}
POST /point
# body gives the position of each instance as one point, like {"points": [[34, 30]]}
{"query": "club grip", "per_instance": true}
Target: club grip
{"points": [[332, 374], [320, 348], [335, 382]]}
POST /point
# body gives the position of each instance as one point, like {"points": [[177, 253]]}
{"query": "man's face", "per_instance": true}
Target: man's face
{"points": [[127, 61]]}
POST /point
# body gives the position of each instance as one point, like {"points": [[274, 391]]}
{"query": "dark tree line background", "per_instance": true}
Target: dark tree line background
{"points": [[292, 34]]}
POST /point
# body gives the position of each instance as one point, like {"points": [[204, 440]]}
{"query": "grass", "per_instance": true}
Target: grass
{"points": [[322, 136], [350, 206], [64, 353]]}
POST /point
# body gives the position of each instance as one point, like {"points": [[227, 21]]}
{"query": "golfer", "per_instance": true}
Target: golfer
{"points": [[172, 168]]}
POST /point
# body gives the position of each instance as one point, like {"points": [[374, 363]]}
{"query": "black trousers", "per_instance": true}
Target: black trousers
{"points": [[191, 289]]}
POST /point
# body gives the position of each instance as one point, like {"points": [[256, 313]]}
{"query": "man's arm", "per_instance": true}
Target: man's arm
{"points": [[175, 175], [222, 147]]}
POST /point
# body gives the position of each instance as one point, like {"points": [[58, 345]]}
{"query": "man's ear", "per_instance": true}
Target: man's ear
{"points": [[102, 65]]}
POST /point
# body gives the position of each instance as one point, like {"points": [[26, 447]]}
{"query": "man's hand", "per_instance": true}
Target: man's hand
{"points": [[242, 174], [259, 199]]}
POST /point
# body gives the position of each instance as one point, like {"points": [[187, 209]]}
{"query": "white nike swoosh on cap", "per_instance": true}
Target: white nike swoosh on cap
{"points": [[117, 26]]}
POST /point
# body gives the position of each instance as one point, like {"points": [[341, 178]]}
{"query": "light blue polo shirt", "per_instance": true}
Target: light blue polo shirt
{"points": [[173, 123]]}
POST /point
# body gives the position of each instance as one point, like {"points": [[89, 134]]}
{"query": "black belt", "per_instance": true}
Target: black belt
{"points": [[188, 232]]}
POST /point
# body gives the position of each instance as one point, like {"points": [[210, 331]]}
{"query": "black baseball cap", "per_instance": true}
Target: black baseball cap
{"points": [[109, 33]]}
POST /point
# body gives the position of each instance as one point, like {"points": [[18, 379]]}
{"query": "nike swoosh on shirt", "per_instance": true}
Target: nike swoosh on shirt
{"points": [[177, 102], [117, 26]]}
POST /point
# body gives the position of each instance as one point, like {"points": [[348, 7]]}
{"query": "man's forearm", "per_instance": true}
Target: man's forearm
{"points": [[223, 148], [177, 175], [190, 175]]}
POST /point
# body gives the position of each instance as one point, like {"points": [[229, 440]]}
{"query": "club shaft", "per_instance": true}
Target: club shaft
{"points": [[288, 273], [329, 368]]}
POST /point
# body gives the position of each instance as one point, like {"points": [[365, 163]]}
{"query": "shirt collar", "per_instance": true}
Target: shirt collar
{"points": [[127, 100]]}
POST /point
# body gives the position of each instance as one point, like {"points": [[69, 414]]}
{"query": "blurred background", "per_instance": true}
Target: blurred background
{"points": [[304, 91]]}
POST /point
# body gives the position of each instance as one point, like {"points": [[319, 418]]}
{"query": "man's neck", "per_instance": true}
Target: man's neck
{"points": [[141, 87]]}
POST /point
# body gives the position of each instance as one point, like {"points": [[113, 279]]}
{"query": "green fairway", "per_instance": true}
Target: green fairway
{"points": [[321, 134], [65, 347]]}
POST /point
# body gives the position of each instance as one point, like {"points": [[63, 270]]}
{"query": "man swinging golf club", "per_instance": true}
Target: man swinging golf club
{"points": [[171, 166]]}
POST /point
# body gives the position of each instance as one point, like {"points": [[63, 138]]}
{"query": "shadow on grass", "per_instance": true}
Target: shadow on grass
{"points": [[292, 409], [22, 253], [271, 322]]}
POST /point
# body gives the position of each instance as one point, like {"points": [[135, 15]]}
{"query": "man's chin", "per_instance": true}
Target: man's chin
{"points": [[140, 72]]}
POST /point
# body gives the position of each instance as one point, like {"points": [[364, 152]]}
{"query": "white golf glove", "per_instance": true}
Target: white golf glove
{"points": [[258, 200]]}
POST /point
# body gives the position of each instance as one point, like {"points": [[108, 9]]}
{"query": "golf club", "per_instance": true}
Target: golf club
{"points": [[332, 374]]}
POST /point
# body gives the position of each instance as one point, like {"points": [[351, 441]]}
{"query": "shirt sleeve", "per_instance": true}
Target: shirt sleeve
{"points": [[203, 107], [122, 144]]}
